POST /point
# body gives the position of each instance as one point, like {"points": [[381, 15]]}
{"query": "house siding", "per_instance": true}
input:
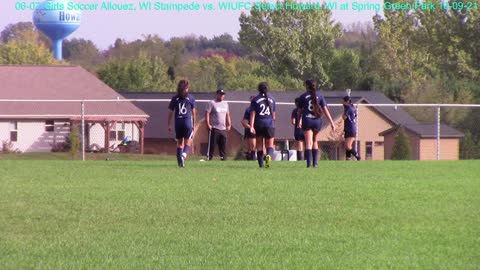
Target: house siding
{"points": [[449, 149]]}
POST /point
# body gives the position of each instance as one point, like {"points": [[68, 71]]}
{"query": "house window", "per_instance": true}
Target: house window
{"points": [[379, 144], [118, 133], [49, 125], [13, 131], [368, 150]]}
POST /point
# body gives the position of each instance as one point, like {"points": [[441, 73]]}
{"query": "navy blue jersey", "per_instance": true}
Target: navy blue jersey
{"points": [[306, 102], [350, 122], [263, 111], [246, 115], [182, 107]]}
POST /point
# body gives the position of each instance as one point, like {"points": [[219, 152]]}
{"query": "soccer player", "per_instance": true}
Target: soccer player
{"points": [[311, 110], [182, 105], [249, 137], [298, 133], [263, 117], [349, 127]]}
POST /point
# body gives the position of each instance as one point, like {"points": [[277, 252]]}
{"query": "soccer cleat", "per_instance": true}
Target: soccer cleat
{"points": [[182, 162], [268, 159]]}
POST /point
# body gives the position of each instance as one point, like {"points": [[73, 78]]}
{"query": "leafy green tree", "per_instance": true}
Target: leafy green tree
{"points": [[297, 43], [139, 74], [81, 52], [401, 147], [345, 69], [469, 148], [26, 48]]}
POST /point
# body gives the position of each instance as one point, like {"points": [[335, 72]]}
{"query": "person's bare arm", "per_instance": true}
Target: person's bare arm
{"points": [[194, 117], [252, 120], [299, 113], [228, 121], [329, 117], [169, 121], [207, 120]]}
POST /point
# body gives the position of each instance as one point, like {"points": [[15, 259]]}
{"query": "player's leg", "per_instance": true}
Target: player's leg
{"points": [[315, 153], [213, 140], [259, 147], [222, 144], [300, 149], [180, 145], [348, 147], [252, 148], [269, 146], [308, 133]]}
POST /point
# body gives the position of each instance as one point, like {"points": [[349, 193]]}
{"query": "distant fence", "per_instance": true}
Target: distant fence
{"points": [[439, 131]]}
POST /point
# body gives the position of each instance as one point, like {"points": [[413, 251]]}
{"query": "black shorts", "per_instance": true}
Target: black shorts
{"points": [[248, 134], [299, 136], [265, 132], [350, 134]]}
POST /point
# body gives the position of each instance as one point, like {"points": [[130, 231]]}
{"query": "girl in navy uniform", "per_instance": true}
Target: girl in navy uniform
{"points": [[311, 110], [182, 106], [249, 137], [298, 133], [263, 116], [349, 127]]}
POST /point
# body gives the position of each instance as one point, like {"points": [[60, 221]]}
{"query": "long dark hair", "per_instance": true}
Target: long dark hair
{"points": [[263, 89], [311, 86], [182, 88]]}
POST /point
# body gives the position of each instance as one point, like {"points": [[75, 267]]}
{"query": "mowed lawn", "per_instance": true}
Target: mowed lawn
{"points": [[232, 215]]}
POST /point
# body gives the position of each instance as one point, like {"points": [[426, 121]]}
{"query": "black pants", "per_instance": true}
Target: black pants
{"points": [[218, 137]]}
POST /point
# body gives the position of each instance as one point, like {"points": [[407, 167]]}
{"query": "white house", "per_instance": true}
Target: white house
{"points": [[34, 126]]}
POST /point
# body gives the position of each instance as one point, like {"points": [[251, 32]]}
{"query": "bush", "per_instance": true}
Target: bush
{"points": [[74, 141], [401, 147]]}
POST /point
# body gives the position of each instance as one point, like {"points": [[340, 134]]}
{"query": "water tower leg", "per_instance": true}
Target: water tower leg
{"points": [[57, 49]]}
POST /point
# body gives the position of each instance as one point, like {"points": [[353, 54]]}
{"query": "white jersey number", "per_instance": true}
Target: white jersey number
{"points": [[182, 108], [265, 110], [310, 105]]}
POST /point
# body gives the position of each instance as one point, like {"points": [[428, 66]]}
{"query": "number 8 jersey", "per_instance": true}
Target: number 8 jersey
{"points": [[263, 110], [182, 108]]}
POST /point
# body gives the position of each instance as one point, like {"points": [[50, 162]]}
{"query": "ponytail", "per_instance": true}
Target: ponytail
{"points": [[263, 89], [182, 87], [312, 90]]}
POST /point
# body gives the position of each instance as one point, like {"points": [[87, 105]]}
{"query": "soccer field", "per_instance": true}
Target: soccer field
{"points": [[232, 215]]}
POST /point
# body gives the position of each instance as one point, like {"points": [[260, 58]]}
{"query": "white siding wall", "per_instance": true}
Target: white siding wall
{"points": [[32, 137]]}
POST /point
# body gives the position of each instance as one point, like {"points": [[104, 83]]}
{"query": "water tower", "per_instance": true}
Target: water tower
{"points": [[53, 18]]}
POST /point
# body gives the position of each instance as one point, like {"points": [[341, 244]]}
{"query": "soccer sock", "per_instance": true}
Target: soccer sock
{"points": [[260, 158], [308, 157], [179, 154], [299, 155], [252, 155], [348, 154], [186, 150], [315, 156], [270, 151], [355, 154]]}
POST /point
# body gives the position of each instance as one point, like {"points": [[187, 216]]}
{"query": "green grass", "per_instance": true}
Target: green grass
{"points": [[232, 215]]}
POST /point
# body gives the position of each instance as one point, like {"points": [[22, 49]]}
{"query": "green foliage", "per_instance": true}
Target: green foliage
{"points": [[345, 69], [79, 51], [401, 147], [142, 73], [469, 147], [297, 43], [207, 74], [74, 143], [26, 48]]}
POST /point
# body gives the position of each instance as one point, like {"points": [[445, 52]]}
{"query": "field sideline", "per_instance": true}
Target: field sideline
{"points": [[232, 215]]}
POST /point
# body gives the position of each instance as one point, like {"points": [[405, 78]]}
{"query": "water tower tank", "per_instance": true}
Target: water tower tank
{"points": [[53, 18]]}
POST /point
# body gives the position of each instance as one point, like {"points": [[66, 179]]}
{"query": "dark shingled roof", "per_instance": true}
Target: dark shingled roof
{"points": [[156, 126], [427, 130], [59, 83]]}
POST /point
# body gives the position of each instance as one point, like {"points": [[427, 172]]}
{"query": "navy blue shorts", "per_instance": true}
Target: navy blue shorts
{"points": [[265, 132], [183, 131], [350, 134], [299, 136], [248, 134], [314, 124]]}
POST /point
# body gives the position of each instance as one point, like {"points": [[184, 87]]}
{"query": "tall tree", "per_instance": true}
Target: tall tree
{"points": [[26, 48], [82, 52], [297, 43]]}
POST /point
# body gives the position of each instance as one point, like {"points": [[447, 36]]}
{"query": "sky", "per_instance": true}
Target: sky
{"points": [[104, 27]]}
